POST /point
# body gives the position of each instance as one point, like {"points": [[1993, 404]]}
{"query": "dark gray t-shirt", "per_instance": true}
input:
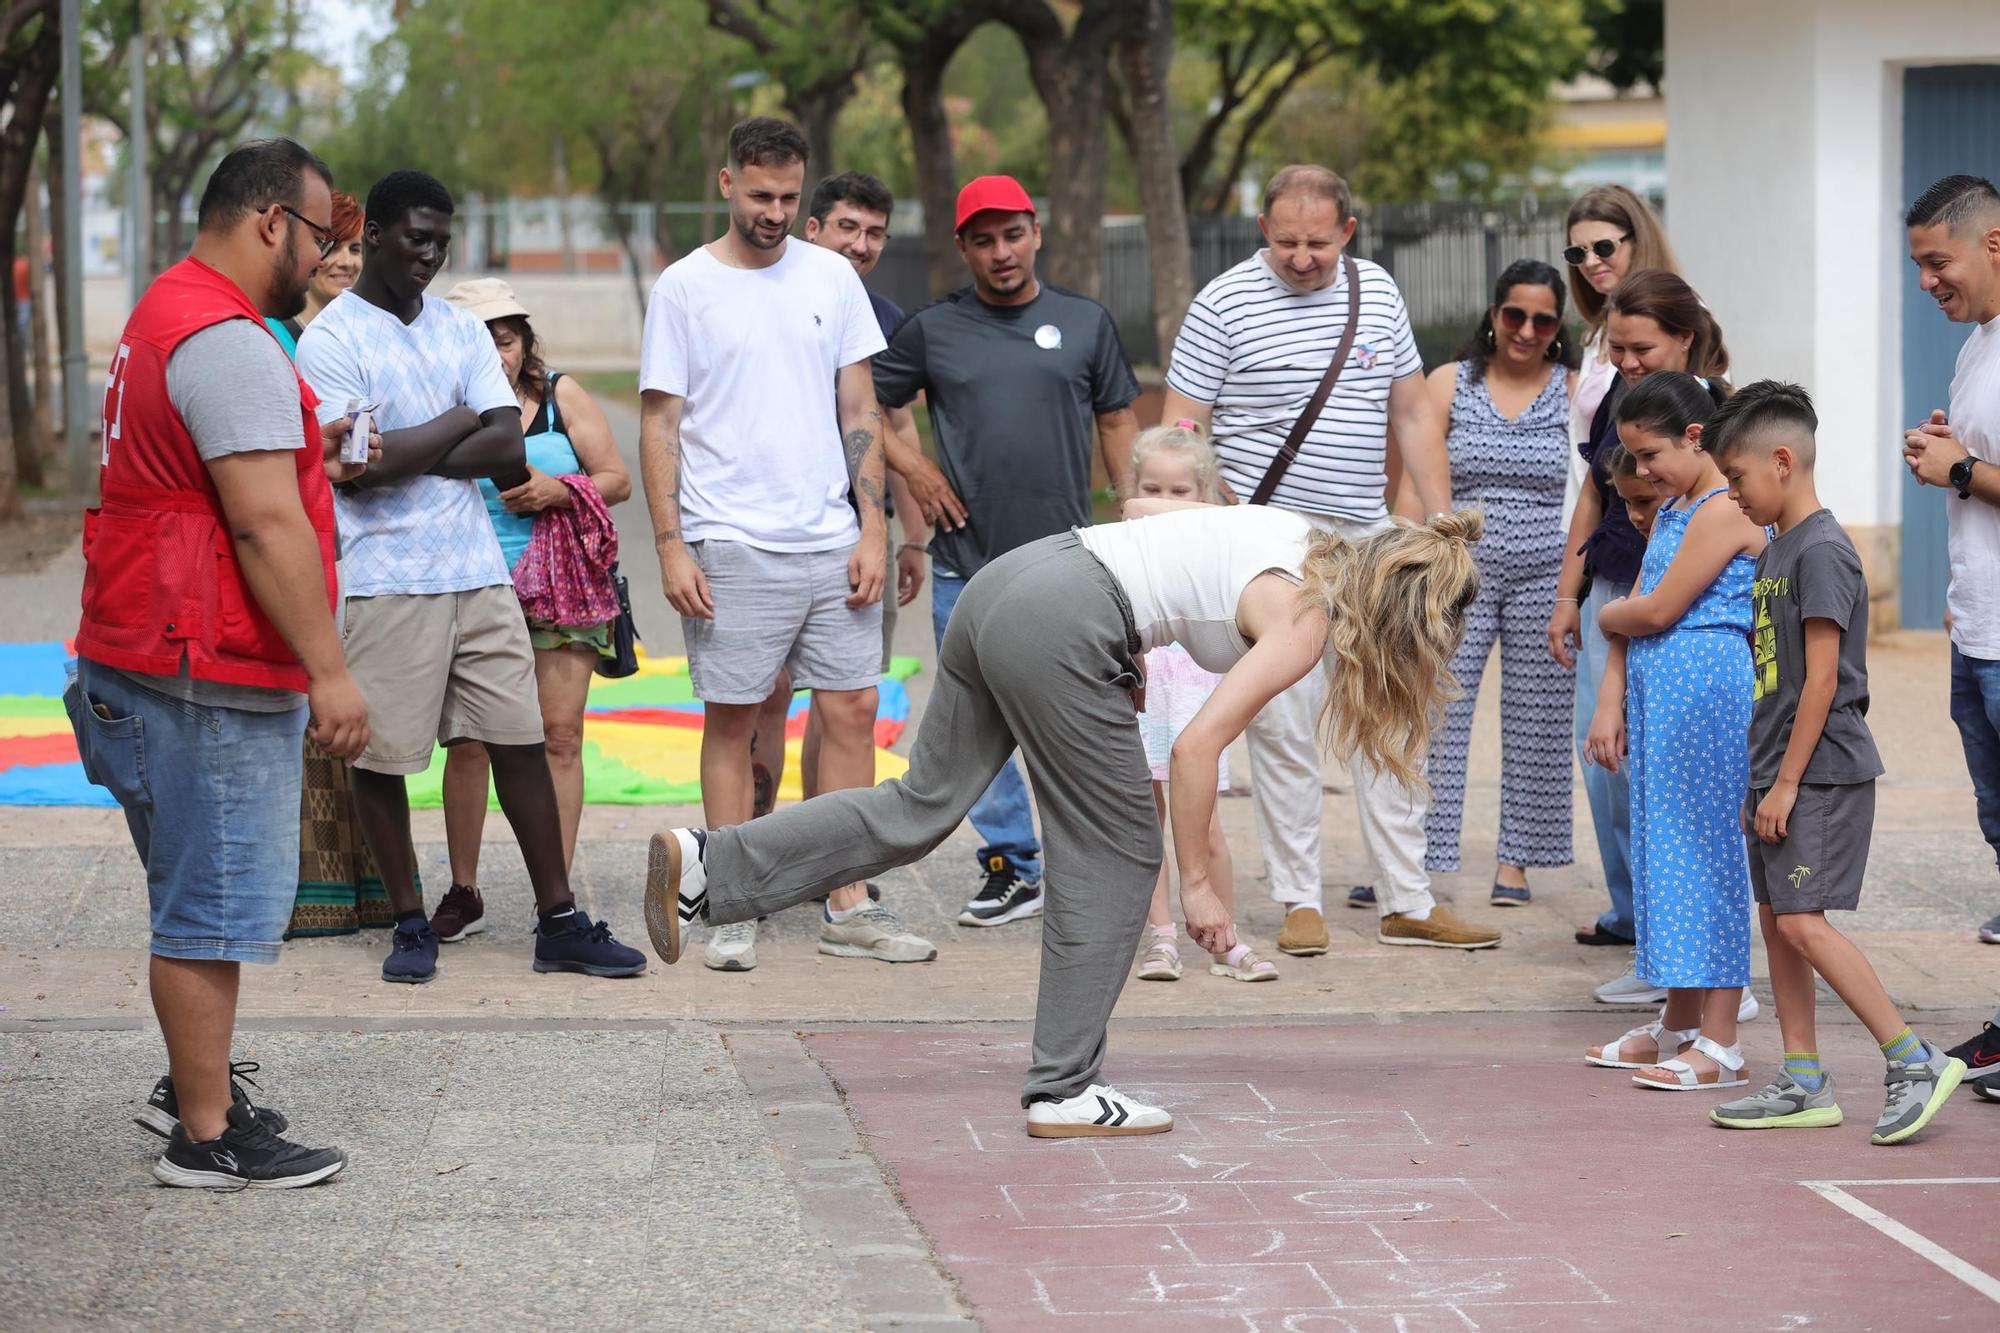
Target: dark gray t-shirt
{"points": [[1811, 573], [1014, 393]]}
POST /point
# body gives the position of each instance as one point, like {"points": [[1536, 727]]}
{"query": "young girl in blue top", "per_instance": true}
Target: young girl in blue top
{"points": [[1677, 695]]}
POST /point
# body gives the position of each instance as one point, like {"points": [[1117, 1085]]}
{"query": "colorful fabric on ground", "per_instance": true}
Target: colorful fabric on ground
{"points": [[641, 738]]}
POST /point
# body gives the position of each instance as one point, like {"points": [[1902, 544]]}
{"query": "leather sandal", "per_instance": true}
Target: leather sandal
{"points": [[1618, 1054], [1684, 1077]]}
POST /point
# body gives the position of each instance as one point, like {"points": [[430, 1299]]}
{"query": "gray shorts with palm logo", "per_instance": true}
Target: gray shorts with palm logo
{"points": [[1824, 857]]}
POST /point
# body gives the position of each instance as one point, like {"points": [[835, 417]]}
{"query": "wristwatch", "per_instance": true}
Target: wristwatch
{"points": [[1960, 476]]}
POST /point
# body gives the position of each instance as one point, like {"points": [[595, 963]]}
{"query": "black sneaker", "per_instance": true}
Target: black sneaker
{"points": [[1981, 1055], [579, 945], [249, 1155], [162, 1112], [1005, 897], [413, 954]]}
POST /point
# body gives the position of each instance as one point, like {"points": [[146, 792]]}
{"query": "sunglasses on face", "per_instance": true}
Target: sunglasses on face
{"points": [[1512, 317], [1574, 255]]}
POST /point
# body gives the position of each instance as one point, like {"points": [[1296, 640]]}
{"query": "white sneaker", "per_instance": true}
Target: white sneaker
{"points": [[1628, 989], [1097, 1110], [731, 948], [874, 932], [1748, 1010]]}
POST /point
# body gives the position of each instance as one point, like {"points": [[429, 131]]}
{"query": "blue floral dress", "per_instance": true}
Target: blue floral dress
{"points": [[1688, 694]]}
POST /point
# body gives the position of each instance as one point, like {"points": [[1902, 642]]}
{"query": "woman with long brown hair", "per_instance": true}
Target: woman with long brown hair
{"points": [[1043, 653]]}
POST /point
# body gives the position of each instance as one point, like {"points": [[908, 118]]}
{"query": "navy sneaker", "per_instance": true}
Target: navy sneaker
{"points": [[1509, 895], [162, 1112], [249, 1155], [579, 945], [413, 953], [1361, 895]]}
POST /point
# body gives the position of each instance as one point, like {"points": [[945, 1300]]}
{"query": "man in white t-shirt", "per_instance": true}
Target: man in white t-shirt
{"points": [[748, 463], [1955, 241], [434, 634], [1252, 350]]}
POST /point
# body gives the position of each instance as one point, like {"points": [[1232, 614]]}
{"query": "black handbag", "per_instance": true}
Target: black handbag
{"points": [[624, 659]]}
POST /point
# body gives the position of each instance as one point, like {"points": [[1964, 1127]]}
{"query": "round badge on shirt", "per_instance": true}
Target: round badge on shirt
{"points": [[1048, 337]]}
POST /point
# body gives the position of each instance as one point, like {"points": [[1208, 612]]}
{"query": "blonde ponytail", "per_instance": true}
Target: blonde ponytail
{"points": [[1396, 605]]}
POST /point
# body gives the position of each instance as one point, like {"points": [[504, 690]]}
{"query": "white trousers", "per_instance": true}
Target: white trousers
{"points": [[1287, 800]]}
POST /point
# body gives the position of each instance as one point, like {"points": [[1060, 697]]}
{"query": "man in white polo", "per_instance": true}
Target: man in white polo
{"points": [[1253, 349]]}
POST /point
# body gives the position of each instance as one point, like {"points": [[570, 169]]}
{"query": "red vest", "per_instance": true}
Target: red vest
{"points": [[160, 573]]}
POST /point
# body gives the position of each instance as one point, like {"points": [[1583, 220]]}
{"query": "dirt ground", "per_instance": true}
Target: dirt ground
{"points": [[29, 541]]}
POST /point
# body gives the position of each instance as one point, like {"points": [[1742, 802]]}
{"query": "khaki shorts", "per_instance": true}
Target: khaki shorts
{"points": [[441, 667]]}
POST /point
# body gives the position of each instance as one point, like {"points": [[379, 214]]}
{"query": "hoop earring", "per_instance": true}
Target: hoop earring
{"points": [[1557, 350], [1492, 342]]}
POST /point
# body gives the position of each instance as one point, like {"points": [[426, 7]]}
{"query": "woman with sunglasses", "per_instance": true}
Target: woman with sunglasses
{"points": [[340, 890], [1653, 322], [1612, 234], [1506, 398]]}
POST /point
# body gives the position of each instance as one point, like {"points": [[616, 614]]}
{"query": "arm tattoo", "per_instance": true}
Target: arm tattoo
{"points": [[857, 444]]}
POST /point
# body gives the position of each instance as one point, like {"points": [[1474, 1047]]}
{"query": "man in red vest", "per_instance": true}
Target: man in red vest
{"points": [[207, 647]]}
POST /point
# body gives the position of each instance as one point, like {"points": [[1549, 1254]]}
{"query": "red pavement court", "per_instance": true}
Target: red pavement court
{"points": [[1450, 1173]]}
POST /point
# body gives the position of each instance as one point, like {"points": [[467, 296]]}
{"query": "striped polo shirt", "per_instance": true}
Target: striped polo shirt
{"points": [[1255, 348]]}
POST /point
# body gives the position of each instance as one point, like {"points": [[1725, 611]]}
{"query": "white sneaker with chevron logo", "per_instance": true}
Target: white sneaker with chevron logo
{"points": [[1097, 1110]]}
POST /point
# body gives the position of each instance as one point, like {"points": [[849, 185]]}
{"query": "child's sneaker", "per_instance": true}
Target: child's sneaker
{"points": [[1916, 1089], [1782, 1104], [1161, 963]]}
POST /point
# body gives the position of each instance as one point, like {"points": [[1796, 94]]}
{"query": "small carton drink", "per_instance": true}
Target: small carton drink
{"points": [[361, 424]]}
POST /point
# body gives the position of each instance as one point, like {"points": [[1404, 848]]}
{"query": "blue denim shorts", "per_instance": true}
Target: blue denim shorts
{"points": [[212, 798]]}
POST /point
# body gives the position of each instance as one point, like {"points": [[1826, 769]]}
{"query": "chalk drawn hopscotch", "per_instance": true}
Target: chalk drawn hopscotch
{"points": [[1249, 1221]]}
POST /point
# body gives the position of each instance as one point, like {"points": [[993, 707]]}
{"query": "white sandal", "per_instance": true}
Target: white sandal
{"points": [[1254, 967], [1686, 1078], [1615, 1056], [1161, 963]]}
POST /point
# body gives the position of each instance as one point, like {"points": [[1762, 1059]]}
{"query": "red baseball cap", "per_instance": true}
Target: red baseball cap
{"points": [[985, 193]]}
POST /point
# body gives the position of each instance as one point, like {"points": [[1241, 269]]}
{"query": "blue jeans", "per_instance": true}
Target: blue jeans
{"points": [[211, 796], [1975, 707], [1002, 814], [1610, 799]]}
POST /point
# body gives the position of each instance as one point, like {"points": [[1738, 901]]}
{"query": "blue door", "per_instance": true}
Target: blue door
{"points": [[1951, 123]]}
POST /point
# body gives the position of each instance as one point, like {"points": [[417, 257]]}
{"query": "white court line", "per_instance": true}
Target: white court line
{"points": [[1916, 1242]]}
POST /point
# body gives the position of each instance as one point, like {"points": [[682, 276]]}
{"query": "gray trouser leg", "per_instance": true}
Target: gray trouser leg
{"points": [[1034, 656]]}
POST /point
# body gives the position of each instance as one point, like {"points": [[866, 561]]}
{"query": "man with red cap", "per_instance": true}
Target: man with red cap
{"points": [[1021, 379]]}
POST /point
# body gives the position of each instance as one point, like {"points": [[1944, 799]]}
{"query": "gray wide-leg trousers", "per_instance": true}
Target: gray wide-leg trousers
{"points": [[1040, 654]]}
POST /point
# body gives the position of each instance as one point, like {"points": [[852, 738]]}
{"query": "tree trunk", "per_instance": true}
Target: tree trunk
{"points": [[34, 79], [1145, 52], [59, 256], [818, 109], [1069, 73], [38, 309], [930, 143]]}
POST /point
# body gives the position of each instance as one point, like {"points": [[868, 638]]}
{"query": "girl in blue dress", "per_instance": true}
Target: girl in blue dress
{"points": [[1680, 694]]}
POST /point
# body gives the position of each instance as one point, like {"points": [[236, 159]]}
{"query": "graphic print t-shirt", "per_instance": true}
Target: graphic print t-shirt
{"points": [[1810, 573]]}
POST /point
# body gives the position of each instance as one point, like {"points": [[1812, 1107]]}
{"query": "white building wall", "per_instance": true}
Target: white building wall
{"points": [[1785, 196]]}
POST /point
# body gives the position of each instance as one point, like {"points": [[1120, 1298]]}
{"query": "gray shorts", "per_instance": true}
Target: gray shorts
{"points": [[1820, 864], [779, 610]]}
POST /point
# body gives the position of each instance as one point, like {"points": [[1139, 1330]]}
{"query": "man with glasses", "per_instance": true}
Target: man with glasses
{"points": [[207, 649], [1251, 353], [434, 630]]}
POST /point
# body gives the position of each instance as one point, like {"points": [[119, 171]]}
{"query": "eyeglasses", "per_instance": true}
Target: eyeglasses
{"points": [[324, 238], [1574, 255], [1512, 317]]}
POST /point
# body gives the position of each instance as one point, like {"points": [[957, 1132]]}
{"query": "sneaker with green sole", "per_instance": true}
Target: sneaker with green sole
{"points": [[1781, 1104], [1917, 1088]]}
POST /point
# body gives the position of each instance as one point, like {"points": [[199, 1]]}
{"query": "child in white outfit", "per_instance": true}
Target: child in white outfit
{"points": [[1176, 463]]}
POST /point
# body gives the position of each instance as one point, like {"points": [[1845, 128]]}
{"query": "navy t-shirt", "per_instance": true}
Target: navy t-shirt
{"points": [[1014, 395]]}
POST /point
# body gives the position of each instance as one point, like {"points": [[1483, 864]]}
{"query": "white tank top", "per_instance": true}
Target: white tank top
{"points": [[1184, 571]]}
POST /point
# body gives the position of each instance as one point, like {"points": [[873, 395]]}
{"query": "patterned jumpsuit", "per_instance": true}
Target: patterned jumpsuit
{"points": [[1516, 471]]}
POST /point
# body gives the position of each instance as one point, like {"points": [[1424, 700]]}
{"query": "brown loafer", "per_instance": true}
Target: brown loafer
{"points": [[1304, 933], [1439, 930]]}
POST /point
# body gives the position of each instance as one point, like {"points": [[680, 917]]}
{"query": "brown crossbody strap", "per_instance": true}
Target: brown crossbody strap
{"points": [[1289, 450]]}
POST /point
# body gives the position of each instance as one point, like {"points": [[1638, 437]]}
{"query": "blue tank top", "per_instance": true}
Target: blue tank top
{"points": [[1723, 604], [550, 451]]}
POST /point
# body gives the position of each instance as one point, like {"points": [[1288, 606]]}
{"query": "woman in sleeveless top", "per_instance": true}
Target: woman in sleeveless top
{"points": [[1043, 654], [340, 890], [566, 435], [1507, 401]]}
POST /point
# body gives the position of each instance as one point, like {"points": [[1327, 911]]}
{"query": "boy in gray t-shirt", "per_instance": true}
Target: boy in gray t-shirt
{"points": [[1813, 766]]}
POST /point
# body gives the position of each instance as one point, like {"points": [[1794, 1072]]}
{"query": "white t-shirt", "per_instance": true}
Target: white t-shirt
{"points": [[755, 353], [1256, 349], [1974, 525], [427, 534], [1184, 571]]}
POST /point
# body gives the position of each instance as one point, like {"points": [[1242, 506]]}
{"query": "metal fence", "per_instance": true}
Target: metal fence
{"points": [[1445, 257]]}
